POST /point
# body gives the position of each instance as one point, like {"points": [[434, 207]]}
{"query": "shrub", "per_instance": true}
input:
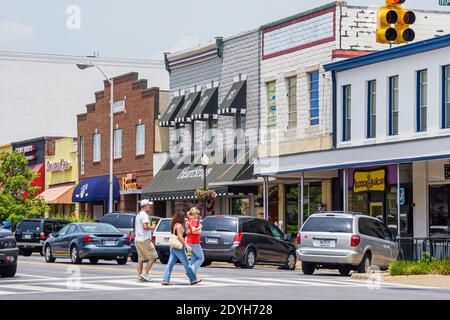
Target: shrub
{"points": [[426, 265]]}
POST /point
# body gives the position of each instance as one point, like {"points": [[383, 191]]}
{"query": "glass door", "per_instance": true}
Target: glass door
{"points": [[439, 205]]}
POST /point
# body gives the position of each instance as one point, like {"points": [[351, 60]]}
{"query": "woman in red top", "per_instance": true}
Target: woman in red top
{"points": [[194, 229]]}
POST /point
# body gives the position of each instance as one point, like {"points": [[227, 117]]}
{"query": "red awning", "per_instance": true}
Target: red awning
{"points": [[58, 195]]}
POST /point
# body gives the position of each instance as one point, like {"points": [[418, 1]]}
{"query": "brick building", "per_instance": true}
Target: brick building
{"points": [[140, 145]]}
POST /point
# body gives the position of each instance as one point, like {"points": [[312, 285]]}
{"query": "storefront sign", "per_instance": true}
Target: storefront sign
{"points": [[130, 182], [369, 181], [27, 149], [447, 172], [194, 173], [61, 166], [444, 2]]}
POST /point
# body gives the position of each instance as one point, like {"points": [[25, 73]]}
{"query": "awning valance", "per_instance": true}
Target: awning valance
{"points": [[208, 105], [184, 115], [236, 99], [58, 195], [180, 179], [95, 189], [167, 120]]}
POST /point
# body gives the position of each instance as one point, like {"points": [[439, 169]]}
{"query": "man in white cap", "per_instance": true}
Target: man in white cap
{"points": [[144, 246]]}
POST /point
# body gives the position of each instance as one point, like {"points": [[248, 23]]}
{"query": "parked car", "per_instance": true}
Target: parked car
{"points": [[31, 233], [8, 254], [345, 241], [246, 241], [124, 221], [160, 238], [93, 241]]}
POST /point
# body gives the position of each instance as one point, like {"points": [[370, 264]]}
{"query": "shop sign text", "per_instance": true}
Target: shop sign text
{"points": [[194, 173], [61, 166], [369, 181]]}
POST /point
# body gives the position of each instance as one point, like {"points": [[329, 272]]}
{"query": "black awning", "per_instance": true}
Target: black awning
{"points": [[184, 115], [236, 99], [180, 181], [208, 105], [167, 120]]}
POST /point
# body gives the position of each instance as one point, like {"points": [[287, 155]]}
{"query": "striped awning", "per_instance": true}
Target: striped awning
{"points": [[58, 195]]}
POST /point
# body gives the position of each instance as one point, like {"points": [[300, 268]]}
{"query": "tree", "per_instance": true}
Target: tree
{"points": [[18, 199]]}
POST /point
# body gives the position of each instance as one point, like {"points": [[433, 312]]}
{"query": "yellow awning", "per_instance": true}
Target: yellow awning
{"points": [[58, 195]]}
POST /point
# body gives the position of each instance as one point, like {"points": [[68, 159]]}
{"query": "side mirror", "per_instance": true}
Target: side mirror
{"points": [[287, 237]]}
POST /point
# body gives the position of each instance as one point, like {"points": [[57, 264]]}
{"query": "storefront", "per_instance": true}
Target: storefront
{"points": [[61, 176]]}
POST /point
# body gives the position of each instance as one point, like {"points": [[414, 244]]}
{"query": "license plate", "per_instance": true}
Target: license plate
{"points": [[109, 243], [324, 243], [27, 236], [212, 240]]}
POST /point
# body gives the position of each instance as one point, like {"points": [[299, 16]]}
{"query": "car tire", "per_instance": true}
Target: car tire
{"points": [[122, 260], [27, 252], [164, 259], [249, 259], [344, 271], [48, 254], [291, 261], [206, 263], [93, 260], [8, 272], [365, 263], [308, 268], [75, 255], [134, 258]]}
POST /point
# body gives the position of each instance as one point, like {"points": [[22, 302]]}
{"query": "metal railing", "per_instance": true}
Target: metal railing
{"points": [[414, 248]]}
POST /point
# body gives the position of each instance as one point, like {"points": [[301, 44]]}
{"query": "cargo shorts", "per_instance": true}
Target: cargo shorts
{"points": [[146, 250]]}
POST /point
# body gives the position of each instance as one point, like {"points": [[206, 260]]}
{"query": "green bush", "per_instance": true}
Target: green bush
{"points": [[426, 265]]}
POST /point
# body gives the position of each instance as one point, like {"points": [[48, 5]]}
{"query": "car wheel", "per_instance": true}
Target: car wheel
{"points": [[75, 255], [365, 264], [308, 268], [26, 252], [291, 261], [122, 260], [41, 253], [250, 259], [164, 259], [134, 258], [344, 271], [48, 254], [8, 272], [206, 263], [93, 260]]}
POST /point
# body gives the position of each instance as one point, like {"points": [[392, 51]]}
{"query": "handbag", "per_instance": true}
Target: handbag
{"points": [[174, 242]]}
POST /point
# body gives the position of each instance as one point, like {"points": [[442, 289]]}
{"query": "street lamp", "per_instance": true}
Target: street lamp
{"points": [[205, 163], [83, 66]]}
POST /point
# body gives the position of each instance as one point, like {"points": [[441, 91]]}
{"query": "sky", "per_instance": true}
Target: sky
{"points": [[141, 29]]}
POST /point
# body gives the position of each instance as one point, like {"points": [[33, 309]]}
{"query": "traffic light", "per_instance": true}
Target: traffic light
{"points": [[393, 23]]}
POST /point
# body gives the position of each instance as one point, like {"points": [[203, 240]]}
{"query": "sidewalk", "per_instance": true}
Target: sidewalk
{"points": [[437, 281]]}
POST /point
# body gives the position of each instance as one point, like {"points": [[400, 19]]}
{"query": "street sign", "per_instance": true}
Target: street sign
{"points": [[444, 2]]}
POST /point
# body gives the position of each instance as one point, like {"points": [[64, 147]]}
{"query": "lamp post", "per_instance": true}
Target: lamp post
{"points": [[111, 133], [205, 163]]}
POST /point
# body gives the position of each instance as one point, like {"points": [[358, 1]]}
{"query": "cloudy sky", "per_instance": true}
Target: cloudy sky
{"points": [[141, 28]]}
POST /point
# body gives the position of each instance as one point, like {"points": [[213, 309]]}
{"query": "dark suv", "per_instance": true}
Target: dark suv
{"points": [[246, 241], [124, 221], [8, 254], [31, 233]]}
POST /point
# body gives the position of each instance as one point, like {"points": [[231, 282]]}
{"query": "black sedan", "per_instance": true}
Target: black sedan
{"points": [[93, 241], [8, 254]]}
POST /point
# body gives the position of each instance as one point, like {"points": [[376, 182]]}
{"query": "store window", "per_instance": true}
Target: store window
{"points": [[240, 206], [371, 109], [140, 139], [446, 96], [314, 97], [117, 143], [393, 105], [347, 113], [439, 207], [82, 155], [422, 84], [272, 104], [291, 84], [96, 147]]}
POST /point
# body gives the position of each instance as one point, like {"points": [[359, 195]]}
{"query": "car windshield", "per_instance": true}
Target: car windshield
{"points": [[98, 228], [328, 224], [164, 226], [220, 224], [125, 221], [29, 225]]}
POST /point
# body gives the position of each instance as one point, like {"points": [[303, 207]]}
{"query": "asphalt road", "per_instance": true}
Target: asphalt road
{"points": [[36, 279]]}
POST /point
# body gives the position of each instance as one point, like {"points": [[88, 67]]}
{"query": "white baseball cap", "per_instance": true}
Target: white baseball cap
{"points": [[145, 202]]}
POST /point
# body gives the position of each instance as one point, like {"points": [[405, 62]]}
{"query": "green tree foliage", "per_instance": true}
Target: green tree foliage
{"points": [[18, 199]]}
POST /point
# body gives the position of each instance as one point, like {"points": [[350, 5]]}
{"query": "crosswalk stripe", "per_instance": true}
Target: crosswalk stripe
{"points": [[83, 285], [33, 288]]}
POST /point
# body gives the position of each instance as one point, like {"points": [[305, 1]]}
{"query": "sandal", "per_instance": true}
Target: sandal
{"points": [[195, 282], [166, 283]]}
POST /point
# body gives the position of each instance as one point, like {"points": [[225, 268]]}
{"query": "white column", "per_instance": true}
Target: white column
{"points": [[301, 200], [345, 190]]}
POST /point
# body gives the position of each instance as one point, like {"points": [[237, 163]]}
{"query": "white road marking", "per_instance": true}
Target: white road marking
{"points": [[34, 276]]}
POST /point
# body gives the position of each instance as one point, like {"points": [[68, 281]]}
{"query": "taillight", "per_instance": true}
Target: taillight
{"points": [[42, 236], [299, 241], [88, 238], [237, 238], [355, 241], [153, 239], [129, 240]]}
